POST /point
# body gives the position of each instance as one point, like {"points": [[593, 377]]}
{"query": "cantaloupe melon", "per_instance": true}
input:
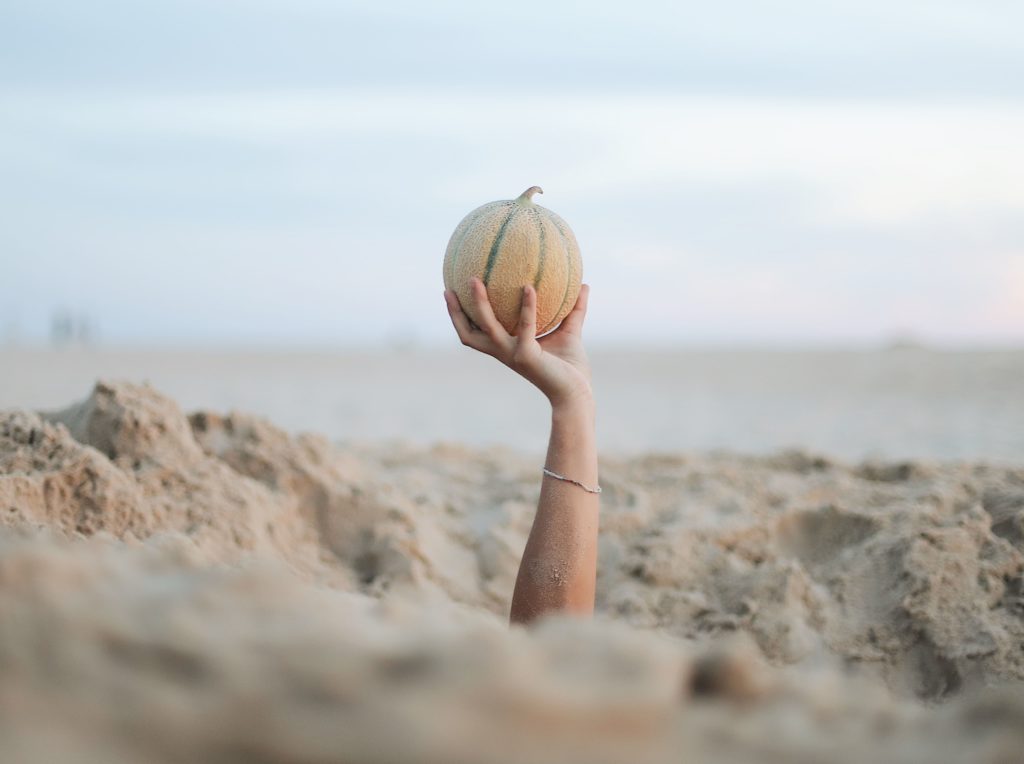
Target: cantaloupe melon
{"points": [[510, 244]]}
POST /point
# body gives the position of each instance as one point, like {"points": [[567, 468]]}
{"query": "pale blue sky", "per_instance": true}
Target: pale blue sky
{"points": [[289, 172]]}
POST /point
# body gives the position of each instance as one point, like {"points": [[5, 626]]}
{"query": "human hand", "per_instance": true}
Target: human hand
{"points": [[555, 363]]}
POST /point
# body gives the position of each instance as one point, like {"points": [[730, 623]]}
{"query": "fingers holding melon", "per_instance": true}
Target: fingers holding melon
{"points": [[528, 314], [483, 314], [574, 321], [468, 334]]}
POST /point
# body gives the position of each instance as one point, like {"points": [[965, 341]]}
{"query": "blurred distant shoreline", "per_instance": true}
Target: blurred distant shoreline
{"points": [[852, 403]]}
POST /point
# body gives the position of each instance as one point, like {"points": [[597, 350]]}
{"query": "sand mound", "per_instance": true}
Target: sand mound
{"points": [[210, 588]]}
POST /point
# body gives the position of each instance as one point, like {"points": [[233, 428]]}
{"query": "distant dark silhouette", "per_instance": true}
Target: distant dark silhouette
{"points": [[68, 329]]}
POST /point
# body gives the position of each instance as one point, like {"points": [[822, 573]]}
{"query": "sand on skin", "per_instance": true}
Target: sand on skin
{"points": [[207, 587]]}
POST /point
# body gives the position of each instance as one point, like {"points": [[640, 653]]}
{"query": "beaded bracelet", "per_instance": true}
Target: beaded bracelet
{"points": [[588, 489]]}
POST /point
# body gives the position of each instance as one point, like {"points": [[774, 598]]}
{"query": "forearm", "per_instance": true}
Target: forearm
{"points": [[559, 566]]}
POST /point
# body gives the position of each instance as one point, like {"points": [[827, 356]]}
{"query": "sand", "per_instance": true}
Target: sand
{"points": [[207, 587]]}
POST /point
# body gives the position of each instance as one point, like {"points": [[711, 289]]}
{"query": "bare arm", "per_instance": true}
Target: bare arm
{"points": [[559, 566]]}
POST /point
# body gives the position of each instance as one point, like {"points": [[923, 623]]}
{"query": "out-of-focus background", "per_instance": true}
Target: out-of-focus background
{"points": [[749, 183]]}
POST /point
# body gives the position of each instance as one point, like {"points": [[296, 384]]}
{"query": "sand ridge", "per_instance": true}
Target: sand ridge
{"points": [[210, 587]]}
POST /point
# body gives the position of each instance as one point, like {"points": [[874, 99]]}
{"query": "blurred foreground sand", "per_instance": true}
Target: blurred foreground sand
{"points": [[210, 588]]}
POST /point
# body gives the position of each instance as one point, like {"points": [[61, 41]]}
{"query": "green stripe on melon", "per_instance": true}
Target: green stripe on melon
{"points": [[573, 279]]}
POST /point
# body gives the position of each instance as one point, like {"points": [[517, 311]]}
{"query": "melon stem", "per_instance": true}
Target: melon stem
{"points": [[528, 193]]}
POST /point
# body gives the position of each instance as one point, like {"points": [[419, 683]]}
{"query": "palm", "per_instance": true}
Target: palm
{"points": [[562, 350], [556, 363]]}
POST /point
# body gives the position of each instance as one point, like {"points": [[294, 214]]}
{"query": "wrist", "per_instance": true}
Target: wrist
{"points": [[578, 404]]}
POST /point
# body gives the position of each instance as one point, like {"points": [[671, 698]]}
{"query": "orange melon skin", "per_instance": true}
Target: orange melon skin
{"points": [[507, 245]]}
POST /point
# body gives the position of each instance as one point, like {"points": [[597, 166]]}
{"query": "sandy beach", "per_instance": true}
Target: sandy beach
{"points": [[180, 581]]}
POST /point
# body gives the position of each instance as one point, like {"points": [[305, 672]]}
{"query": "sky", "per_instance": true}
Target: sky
{"points": [[288, 172]]}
